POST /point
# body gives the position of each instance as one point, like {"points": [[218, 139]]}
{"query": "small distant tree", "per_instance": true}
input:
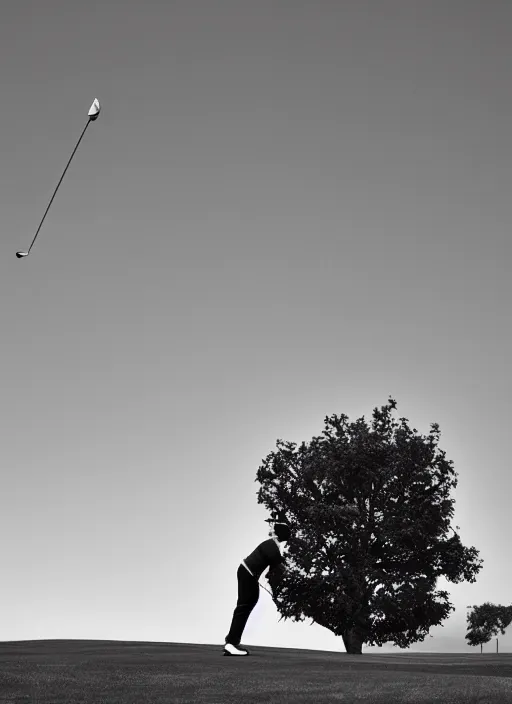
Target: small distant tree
{"points": [[485, 622], [368, 577]]}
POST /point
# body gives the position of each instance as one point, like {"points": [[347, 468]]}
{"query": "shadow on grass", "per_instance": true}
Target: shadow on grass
{"points": [[118, 672]]}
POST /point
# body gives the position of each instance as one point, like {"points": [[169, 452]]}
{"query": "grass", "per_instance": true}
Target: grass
{"points": [[117, 672]]}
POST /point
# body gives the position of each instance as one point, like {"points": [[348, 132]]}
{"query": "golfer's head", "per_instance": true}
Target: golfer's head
{"points": [[282, 532]]}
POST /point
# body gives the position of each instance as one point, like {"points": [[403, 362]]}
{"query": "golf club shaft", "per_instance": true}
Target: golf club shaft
{"points": [[55, 191], [261, 585]]}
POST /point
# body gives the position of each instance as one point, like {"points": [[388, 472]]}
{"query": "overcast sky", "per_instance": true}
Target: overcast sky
{"points": [[285, 210]]}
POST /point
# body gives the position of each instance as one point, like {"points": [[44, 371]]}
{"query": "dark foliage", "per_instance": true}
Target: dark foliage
{"points": [[370, 511]]}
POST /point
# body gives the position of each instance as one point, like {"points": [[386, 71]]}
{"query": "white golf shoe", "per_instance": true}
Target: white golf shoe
{"points": [[230, 649]]}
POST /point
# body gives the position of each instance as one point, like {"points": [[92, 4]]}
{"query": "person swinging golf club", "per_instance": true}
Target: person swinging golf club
{"points": [[267, 554]]}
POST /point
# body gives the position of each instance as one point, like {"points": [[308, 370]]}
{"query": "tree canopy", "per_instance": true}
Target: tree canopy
{"points": [[370, 511], [486, 620]]}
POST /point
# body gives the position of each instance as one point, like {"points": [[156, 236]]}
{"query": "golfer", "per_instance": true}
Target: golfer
{"points": [[267, 554]]}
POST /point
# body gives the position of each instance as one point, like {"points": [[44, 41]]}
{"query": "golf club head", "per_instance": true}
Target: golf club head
{"points": [[94, 110], [21, 254]]}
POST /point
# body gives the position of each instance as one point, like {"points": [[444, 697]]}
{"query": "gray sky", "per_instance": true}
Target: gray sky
{"points": [[285, 210]]}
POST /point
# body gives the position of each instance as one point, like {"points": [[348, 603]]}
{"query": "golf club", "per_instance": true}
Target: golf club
{"points": [[93, 113], [261, 585]]}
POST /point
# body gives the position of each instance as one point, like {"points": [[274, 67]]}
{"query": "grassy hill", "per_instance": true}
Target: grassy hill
{"points": [[112, 672]]}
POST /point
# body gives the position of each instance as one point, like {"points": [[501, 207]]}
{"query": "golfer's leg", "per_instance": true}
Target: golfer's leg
{"points": [[248, 595]]}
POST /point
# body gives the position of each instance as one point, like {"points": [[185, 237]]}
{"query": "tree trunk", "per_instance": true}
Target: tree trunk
{"points": [[353, 641]]}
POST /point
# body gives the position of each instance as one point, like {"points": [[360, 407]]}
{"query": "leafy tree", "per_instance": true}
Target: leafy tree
{"points": [[486, 620], [368, 577]]}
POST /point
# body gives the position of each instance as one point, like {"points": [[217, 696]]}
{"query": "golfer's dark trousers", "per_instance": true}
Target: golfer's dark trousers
{"points": [[248, 595]]}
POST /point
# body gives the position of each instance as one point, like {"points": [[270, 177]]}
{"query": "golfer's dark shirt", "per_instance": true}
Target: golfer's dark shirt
{"points": [[267, 554]]}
